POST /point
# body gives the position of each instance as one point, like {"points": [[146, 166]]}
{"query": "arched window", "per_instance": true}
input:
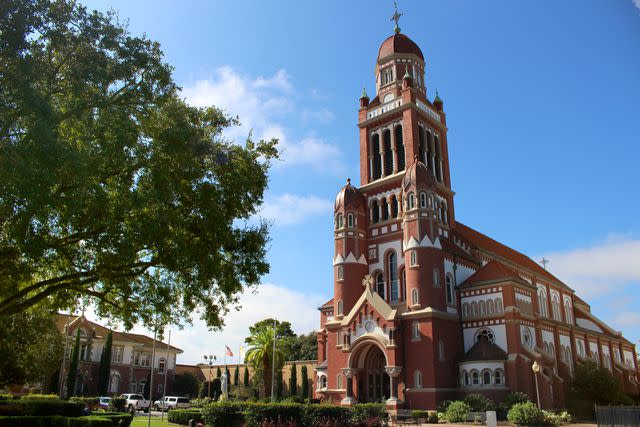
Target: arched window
{"points": [[377, 157], [414, 297], [393, 277], [162, 364], [449, 289], [421, 145], [498, 302], [388, 152], [340, 273], [436, 278], [339, 307], [441, 350], [438, 153], [417, 379], [413, 258], [568, 315], [114, 382], [415, 330], [385, 209], [339, 382], [486, 377], [375, 212], [527, 339], [411, 202], [403, 287], [465, 309], [380, 286], [475, 378], [474, 308], [400, 148], [350, 220], [498, 377], [423, 200], [542, 302], [482, 306], [429, 153], [555, 306], [338, 221], [465, 377], [490, 307], [394, 206], [486, 332], [323, 382]]}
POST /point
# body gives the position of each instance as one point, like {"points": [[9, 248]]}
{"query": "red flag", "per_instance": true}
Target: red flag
{"points": [[229, 352]]}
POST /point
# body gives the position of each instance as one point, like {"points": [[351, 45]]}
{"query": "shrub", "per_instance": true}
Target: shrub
{"points": [[442, 406], [257, 413], [55, 421], [89, 402], [40, 407], [433, 417], [525, 414], [183, 416], [553, 419], [40, 397], [511, 399], [7, 396], [90, 421], [368, 414], [118, 404], [321, 415], [457, 412], [419, 413], [117, 418], [479, 403], [222, 414], [294, 399]]}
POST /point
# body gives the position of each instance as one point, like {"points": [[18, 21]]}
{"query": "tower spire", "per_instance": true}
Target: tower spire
{"points": [[396, 16]]}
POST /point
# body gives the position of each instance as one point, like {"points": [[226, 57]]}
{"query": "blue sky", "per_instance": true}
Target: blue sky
{"points": [[542, 102]]}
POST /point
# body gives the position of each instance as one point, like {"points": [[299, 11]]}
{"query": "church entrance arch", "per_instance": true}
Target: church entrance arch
{"points": [[369, 363]]}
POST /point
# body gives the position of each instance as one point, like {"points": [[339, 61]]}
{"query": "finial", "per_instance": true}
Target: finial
{"points": [[348, 181], [396, 16], [406, 72], [364, 93]]}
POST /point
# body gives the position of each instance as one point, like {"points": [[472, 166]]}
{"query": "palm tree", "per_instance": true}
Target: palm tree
{"points": [[260, 354]]}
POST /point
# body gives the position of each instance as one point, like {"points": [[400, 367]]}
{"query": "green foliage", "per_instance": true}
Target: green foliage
{"points": [[293, 380], [90, 421], [113, 189], [186, 385], [368, 414], [89, 402], [305, 382], [595, 385], [245, 380], [417, 414], [236, 376], [260, 355], [442, 406], [72, 374], [457, 412], [257, 414], [279, 384], [183, 416], [326, 415], [557, 419], [525, 414], [36, 396], [118, 404], [40, 407], [218, 372], [479, 403], [117, 418], [508, 402], [105, 366], [34, 421], [223, 414], [31, 346]]}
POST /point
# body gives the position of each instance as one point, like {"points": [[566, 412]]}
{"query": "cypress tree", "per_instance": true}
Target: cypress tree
{"points": [[305, 382], [279, 384], [236, 376], [73, 366], [246, 376], [105, 366], [218, 373], [293, 380]]}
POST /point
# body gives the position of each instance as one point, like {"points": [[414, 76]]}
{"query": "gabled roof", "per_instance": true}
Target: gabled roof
{"points": [[326, 304], [375, 301], [488, 244], [485, 350], [493, 271], [101, 332]]}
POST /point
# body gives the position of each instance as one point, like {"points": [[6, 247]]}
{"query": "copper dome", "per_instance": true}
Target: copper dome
{"points": [[349, 198], [399, 43]]}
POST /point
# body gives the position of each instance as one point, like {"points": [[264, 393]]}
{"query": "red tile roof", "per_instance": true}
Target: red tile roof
{"points": [[493, 271], [488, 244]]}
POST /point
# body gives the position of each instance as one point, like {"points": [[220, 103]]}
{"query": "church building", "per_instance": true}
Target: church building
{"points": [[425, 308]]}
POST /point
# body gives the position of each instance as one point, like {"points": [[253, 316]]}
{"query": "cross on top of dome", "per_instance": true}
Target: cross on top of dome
{"points": [[396, 16]]}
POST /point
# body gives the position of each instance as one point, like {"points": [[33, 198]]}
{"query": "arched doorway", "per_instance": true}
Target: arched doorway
{"points": [[373, 384]]}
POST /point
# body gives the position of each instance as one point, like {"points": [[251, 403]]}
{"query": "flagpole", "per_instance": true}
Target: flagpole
{"points": [[166, 371], [273, 362]]}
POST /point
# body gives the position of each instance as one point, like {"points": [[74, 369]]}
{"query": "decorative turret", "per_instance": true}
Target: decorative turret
{"points": [[364, 98], [437, 102]]}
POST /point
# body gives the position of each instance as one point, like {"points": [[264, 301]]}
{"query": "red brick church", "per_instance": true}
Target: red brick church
{"points": [[426, 308]]}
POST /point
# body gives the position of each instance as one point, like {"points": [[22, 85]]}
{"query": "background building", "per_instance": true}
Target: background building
{"points": [[425, 308], [131, 363]]}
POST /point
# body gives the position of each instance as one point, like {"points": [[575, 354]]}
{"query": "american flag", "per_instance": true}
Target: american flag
{"points": [[228, 352]]}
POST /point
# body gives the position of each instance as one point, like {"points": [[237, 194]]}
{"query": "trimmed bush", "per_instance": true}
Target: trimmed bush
{"points": [[7, 396], [40, 407], [368, 414], [118, 404], [257, 413], [182, 416], [222, 414], [87, 401], [117, 417], [40, 397], [457, 412], [55, 421], [442, 406], [525, 414], [479, 403], [553, 419], [325, 414], [418, 414], [90, 421], [512, 398]]}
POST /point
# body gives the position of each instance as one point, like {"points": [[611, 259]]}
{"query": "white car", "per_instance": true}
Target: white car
{"points": [[171, 402], [136, 402]]}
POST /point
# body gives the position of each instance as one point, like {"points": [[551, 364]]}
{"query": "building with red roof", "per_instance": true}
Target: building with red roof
{"points": [[425, 308]]}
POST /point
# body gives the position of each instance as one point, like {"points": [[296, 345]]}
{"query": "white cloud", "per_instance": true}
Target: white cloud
{"points": [[626, 319], [263, 104], [288, 209], [598, 269], [637, 3], [268, 300]]}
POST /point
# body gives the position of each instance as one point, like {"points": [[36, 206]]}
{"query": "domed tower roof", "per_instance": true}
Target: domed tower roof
{"points": [[399, 43], [350, 198], [417, 174]]}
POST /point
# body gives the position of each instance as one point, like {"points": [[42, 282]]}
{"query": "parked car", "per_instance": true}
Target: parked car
{"points": [[136, 402], [103, 402], [171, 402]]}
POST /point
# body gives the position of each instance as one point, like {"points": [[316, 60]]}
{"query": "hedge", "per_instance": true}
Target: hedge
{"points": [[224, 414], [88, 401], [40, 407], [91, 421], [280, 413], [55, 421], [117, 417], [35, 396], [183, 416]]}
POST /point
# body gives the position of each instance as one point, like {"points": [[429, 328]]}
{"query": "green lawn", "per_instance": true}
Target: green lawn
{"points": [[141, 421]]}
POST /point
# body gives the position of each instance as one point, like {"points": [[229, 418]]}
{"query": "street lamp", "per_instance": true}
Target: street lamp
{"points": [[209, 359], [536, 368]]}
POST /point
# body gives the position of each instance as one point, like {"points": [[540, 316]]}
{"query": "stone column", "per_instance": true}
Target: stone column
{"points": [[349, 374], [393, 372]]}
